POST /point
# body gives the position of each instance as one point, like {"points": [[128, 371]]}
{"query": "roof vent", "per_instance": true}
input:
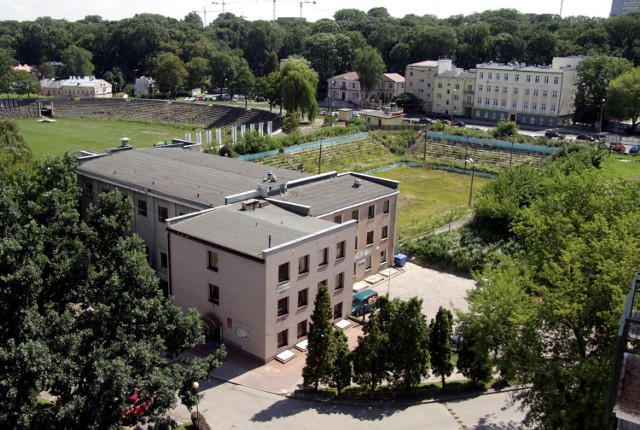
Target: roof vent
{"points": [[357, 183], [124, 142]]}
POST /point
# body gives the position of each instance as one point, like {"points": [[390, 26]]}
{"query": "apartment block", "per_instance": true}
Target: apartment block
{"points": [[622, 7], [529, 95], [345, 89], [454, 93], [420, 80]]}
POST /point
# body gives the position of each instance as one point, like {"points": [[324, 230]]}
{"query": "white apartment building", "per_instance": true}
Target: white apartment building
{"points": [[420, 80], [528, 95], [454, 93]]}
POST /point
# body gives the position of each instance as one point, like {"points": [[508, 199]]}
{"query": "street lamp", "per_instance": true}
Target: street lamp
{"points": [[473, 171], [511, 154], [195, 386], [601, 112]]}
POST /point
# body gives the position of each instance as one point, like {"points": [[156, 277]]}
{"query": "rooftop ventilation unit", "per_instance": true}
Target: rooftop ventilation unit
{"points": [[357, 183]]}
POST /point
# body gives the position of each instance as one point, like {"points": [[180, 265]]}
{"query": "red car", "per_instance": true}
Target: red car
{"points": [[618, 147]]}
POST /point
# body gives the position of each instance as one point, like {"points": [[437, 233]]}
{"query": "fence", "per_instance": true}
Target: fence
{"points": [[304, 146], [491, 142]]}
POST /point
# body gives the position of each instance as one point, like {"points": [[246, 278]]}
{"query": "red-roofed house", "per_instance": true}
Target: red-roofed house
{"points": [[345, 89]]}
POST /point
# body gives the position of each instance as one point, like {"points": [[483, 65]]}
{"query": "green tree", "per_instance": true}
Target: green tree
{"points": [[116, 78], [261, 45], [291, 123], [24, 83], [342, 366], [13, 148], [78, 61], [473, 359], [623, 97], [408, 343], [321, 352], [369, 357], [170, 73], [505, 129], [370, 69], [269, 88], [299, 83], [198, 69], [222, 66], [440, 331], [594, 75], [243, 81]]}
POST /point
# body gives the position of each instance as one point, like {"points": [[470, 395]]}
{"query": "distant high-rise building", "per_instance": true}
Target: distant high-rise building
{"points": [[620, 7]]}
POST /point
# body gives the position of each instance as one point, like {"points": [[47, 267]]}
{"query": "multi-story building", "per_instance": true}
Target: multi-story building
{"points": [[345, 89], [253, 270], [174, 191], [420, 80], [76, 86], [454, 92], [528, 95], [621, 7]]}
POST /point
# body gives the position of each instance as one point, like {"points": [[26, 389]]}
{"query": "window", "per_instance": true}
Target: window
{"points": [[212, 260], [496, 89], [546, 79], [323, 283], [535, 93], [481, 75], [323, 257], [504, 90], [438, 106], [503, 103], [495, 102], [506, 76], [528, 78], [517, 78], [489, 75], [372, 211], [438, 96], [487, 101], [302, 329], [479, 87], [283, 338], [163, 260], [497, 76], [303, 297], [283, 272], [526, 91], [553, 108], [337, 219], [340, 281], [537, 79], [283, 306], [303, 265], [214, 294], [556, 80], [368, 263], [534, 106], [383, 256], [142, 207], [543, 106], [163, 213], [488, 88], [370, 237], [385, 207], [554, 94], [525, 105], [385, 232], [337, 311], [439, 84], [88, 190], [356, 247], [514, 104], [479, 101], [355, 215], [340, 247], [515, 91]]}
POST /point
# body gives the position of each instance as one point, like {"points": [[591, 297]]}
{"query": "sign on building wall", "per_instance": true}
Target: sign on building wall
{"points": [[242, 334], [283, 287]]}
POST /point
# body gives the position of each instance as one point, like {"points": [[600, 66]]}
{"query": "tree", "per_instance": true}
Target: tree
{"points": [[623, 97], [263, 40], [299, 83], [473, 360], [24, 82], [78, 61], [408, 343], [269, 88], [440, 331], [370, 69], [116, 78], [342, 366], [505, 129], [222, 69], [243, 80], [170, 73], [321, 349], [594, 75], [13, 148], [198, 69], [369, 364]]}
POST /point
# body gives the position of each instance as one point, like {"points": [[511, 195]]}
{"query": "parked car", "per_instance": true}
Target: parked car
{"points": [[458, 124], [617, 147], [333, 114], [445, 121], [585, 137], [363, 302], [554, 135], [426, 120], [634, 149]]}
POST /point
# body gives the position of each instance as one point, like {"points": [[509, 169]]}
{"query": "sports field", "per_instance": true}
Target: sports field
{"points": [[74, 134]]}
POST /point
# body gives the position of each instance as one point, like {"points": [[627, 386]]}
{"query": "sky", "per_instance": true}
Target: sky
{"points": [[73, 10]]}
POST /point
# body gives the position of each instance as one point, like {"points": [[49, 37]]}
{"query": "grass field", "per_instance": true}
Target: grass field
{"points": [[430, 198], [622, 166], [74, 134]]}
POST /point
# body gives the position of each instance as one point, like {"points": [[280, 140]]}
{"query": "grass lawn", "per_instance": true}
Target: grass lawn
{"points": [[622, 166], [74, 134], [430, 198]]}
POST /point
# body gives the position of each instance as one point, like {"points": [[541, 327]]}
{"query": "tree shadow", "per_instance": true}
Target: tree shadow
{"points": [[484, 424], [363, 412]]}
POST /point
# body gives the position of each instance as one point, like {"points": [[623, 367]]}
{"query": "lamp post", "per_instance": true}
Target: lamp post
{"points": [[195, 386], [511, 154], [601, 112], [473, 171]]}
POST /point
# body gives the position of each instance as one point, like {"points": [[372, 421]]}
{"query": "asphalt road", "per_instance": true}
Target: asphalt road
{"points": [[228, 406]]}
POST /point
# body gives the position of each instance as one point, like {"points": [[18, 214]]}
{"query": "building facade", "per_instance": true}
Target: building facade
{"points": [[529, 95], [253, 270], [420, 80], [454, 93], [622, 7], [76, 86], [345, 89]]}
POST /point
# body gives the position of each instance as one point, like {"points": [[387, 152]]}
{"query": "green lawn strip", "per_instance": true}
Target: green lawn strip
{"points": [[74, 134], [621, 166]]}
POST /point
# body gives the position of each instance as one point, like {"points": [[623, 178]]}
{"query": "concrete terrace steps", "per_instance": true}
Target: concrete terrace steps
{"points": [[452, 152]]}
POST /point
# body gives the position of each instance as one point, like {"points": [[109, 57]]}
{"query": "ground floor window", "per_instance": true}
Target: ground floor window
{"points": [[302, 329], [283, 338], [337, 311]]}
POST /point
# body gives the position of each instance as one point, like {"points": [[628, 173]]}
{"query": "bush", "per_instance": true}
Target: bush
{"points": [[199, 421]]}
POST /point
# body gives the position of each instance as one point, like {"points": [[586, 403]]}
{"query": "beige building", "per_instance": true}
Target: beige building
{"points": [[253, 271], [420, 80], [174, 190], [76, 86], [345, 89], [531, 95], [454, 93]]}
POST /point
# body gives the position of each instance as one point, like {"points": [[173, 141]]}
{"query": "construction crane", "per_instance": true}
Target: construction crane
{"points": [[305, 1], [224, 3], [204, 14]]}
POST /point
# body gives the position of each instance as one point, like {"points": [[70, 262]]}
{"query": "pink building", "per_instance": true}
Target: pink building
{"points": [[345, 89]]}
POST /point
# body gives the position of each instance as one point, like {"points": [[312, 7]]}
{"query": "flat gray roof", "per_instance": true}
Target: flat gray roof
{"points": [[248, 231], [337, 193], [200, 179]]}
